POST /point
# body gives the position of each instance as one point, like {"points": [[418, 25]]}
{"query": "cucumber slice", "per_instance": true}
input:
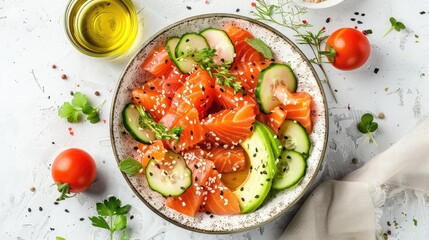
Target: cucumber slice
{"points": [[290, 169], [293, 136], [189, 42], [219, 40], [275, 143], [171, 45], [131, 119], [269, 78], [170, 177]]}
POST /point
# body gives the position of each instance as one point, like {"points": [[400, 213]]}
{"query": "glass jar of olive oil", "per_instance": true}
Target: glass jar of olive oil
{"points": [[101, 28]]}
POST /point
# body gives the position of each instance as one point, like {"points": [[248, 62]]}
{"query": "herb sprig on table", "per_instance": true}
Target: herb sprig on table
{"points": [[204, 58], [288, 16], [80, 106], [368, 126], [398, 26], [130, 166], [111, 216]]}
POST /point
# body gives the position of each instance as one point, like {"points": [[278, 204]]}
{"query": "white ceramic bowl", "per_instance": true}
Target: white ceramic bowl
{"points": [[319, 5], [277, 202]]}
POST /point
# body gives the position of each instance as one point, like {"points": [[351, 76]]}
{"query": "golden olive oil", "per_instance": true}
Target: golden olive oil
{"points": [[102, 28]]}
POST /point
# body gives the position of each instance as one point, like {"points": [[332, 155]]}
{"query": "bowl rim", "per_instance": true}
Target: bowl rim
{"points": [[294, 46]]}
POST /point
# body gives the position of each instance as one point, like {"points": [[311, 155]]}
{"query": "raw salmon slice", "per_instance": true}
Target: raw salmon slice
{"points": [[220, 200], [226, 160], [298, 106], [243, 51], [152, 101], [276, 118], [158, 62], [247, 73], [230, 126], [228, 99], [192, 133], [197, 92], [148, 152]]}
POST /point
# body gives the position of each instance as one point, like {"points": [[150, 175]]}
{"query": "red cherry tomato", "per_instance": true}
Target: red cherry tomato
{"points": [[351, 49], [73, 170]]}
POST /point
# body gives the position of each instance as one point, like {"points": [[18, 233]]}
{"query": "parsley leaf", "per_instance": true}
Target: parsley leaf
{"points": [[115, 214], [368, 126], [130, 166], [79, 105], [59, 238], [161, 131], [398, 26], [260, 46]]}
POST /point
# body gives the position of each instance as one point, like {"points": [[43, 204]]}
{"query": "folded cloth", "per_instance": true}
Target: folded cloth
{"points": [[343, 210]]}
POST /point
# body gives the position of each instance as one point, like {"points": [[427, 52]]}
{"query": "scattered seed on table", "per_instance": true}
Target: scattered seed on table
{"points": [[64, 77], [81, 219], [381, 115], [188, 7], [40, 209], [422, 12], [132, 216], [29, 209], [53, 143], [97, 93], [71, 93], [376, 70], [66, 210], [52, 229], [56, 203], [32, 189], [353, 19], [237, 10], [53, 66], [363, 14], [328, 20], [354, 161], [359, 22], [356, 13]]}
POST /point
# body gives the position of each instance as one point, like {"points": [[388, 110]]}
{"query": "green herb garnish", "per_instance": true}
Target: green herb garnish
{"points": [[204, 58], [111, 216], [78, 106], [130, 166], [260, 46], [398, 26], [59, 238], [368, 126], [161, 131]]}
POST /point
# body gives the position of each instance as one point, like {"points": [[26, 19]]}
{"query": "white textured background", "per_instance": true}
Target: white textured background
{"points": [[32, 38]]}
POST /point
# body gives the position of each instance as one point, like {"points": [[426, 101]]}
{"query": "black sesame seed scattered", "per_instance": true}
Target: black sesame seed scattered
{"points": [[263, 165], [52, 229], [222, 60], [353, 19], [183, 188], [40, 209], [195, 166], [251, 128], [29, 209], [257, 196], [376, 70], [188, 7], [81, 219], [196, 179], [237, 10], [363, 14], [242, 189], [152, 88], [264, 172], [53, 142], [192, 133], [268, 179], [328, 20], [422, 12], [211, 216], [251, 167], [71, 93], [158, 166], [150, 173], [187, 40], [254, 155], [288, 157], [166, 61], [66, 210], [356, 13], [359, 22], [284, 148], [285, 137], [256, 149], [136, 148], [284, 169], [253, 77], [221, 192], [242, 199], [222, 90], [56, 203]]}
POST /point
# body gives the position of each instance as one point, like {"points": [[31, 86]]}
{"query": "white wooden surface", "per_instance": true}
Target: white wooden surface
{"points": [[32, 38]]}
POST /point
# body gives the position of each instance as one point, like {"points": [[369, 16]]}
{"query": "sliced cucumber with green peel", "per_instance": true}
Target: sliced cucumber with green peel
{"points": [[269, 78], [171, 45], [276, 145], [290, 169], [170, 177], [189, 42], [131, 119], [219, 40], [293, 136]]}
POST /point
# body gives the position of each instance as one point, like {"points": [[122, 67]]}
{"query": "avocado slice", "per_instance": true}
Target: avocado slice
{"points": [[256, 187], [276, 145]]}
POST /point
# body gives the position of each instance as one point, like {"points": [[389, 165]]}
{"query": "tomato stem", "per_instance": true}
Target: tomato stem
{"points": [[327, 82], [64, 189]]}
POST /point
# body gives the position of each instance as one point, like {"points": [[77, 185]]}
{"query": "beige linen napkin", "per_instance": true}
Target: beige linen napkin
{"points": [[343, 210]]}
